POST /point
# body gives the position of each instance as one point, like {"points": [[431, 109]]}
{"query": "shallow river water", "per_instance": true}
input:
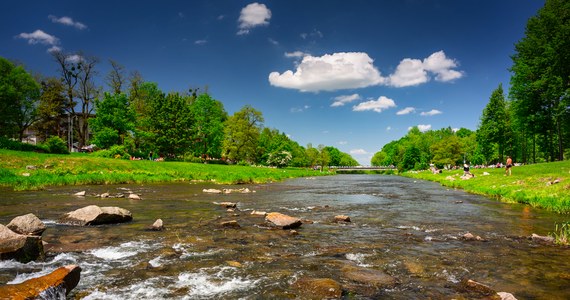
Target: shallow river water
{"points": [[411, 230]]}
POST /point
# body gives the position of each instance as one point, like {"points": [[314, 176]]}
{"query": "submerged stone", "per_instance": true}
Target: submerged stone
{"points": [[318, 288]]}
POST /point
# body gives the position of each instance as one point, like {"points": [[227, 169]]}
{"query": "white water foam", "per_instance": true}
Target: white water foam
{"points": [[156, 262], [145, 290], [205, 285], [358, 258], [124, 250]]}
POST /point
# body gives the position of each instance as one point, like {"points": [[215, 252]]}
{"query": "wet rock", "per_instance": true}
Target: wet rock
{"points": [[134, 197], [258, 213], [212, 191], [226, 204], [157, 225], [506, 296], [470, 237], [342, 218], [293, 232], [31, 167], [306, 221], [27, 224], [370, 277], [318, 288], [23, 248], [283, 221], [542, 239], [55, 285], [477, 289], [234, 264], [81, 194], [232, 224], [242, 191], [105, 195], [95, 215]]}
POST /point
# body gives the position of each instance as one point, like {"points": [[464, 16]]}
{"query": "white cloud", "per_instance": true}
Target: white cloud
{"points": [[344, 99], [405, 111], [422, 127], [342, 142], [221, 17], [330, 72], [358, 152], [442, 66], [313, 34], [74, 58], [39, 37], [388, 128], [412, 72], [253, 15], [300, 109], [379, 105], [200, 42], [53, 49], [67, 21], [430, 113], [296, 54], [272, 41]]}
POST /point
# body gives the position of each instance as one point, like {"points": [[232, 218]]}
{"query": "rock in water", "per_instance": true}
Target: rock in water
{"points": [[157, 225], [318, 288], [342, 218], [212, 191], [134, 197], [283, 221], [82, 193], [95, 215], [23, 248], [55, 285], [27, 224], [232, 224]]}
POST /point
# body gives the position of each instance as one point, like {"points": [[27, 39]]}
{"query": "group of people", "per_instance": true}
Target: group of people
{"points": [[466, 172]]}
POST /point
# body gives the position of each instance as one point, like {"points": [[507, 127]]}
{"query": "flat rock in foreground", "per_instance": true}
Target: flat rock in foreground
{"points": [[283, 221], [27, 224], [55, 285], [95, 215]]}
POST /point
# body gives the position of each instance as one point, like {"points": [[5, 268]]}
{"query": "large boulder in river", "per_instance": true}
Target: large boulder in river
{"points": [[27, 224], [95, 215], [283, 221], [23, 248], [55, 285]]}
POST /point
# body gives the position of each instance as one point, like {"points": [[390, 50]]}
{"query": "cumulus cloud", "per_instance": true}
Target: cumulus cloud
{"points": [[344, 99], [350, 70], [200, 42], [253, 15], [412, 72], [54, 49], [67, 21], [388, 128], [300, 109], [430, 113], [342, 142], [422, 127], [379, 105], [330, 72], [405, 111], [358, 152], [75, 58], [39, 37], [313, 34]]}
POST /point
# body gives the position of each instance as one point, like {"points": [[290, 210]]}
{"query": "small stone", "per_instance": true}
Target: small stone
{"points": [[283, 221], [234, 264], [226, 204], [232, 223], [258, 213], [157, 225], [476, 287], [212, 191], [293, 232], [31, 167], [105, 195], [134, 197], [542, 239], [506, 296], [26, 174], [81, 194], [342, 218]]}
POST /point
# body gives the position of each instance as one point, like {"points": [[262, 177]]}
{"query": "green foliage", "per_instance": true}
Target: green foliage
{"points": [[9, 144], [561, 233], [279, 159], [115, 151], [208, 126], [115, 120], [171, 123], [242, 132], [494, 132], [56, 145]]}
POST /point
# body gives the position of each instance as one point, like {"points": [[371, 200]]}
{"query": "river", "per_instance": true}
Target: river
{"points": [[408, 229]]}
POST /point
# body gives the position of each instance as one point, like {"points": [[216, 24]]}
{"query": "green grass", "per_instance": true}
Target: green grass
{"points": [[561, 234], [80, 169], [531, 184]]}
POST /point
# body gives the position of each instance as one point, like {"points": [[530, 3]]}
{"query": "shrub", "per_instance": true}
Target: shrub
{"points": [[56, 145], [115, 151], [9, 144], [561, 234]]}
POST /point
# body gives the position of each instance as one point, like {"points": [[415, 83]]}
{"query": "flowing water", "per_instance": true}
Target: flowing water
{"points": [[411, 230]]}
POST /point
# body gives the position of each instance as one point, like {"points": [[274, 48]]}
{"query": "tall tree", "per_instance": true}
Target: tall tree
{"points": [[494, 131], [208, 126], [115, 120], [51, 109], [116, 77], [19, 95], [540, 83], [241, 132], [170, 122]]}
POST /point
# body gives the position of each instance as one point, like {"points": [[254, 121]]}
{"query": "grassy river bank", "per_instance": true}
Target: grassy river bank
{"points": [[545, 185], [33, 171]]}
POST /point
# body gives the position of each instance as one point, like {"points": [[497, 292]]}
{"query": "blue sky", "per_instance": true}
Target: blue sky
{"points": [[350, 74]]}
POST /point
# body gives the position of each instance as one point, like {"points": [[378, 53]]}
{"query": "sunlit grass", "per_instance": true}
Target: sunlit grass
{"points": [[32, 171], [544, 185]]}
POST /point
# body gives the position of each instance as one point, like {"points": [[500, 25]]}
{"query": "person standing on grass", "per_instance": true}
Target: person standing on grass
{"points": [[508, 166]]}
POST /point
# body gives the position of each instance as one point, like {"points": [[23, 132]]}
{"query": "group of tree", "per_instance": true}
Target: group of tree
{"points": [[136, 117], [531, 124]]}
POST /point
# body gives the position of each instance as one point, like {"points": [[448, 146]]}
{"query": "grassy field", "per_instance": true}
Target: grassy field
{"points": [[544, 185], [32, 171]]}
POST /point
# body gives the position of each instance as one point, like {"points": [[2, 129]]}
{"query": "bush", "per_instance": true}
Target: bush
{"points": [[56, 145], [114, 152], [9, 144]]}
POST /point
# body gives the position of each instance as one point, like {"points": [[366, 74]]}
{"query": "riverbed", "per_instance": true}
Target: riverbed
{"points": [[410, 230]]}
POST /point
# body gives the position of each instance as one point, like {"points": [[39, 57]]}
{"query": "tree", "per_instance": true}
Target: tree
{"points": [[170, 122], [51, 109], [323, 159], [447, 151], [19, 95], [540, 83], [241, 134], [115, 120], [115, 79], [208, 126], [494, 127]]}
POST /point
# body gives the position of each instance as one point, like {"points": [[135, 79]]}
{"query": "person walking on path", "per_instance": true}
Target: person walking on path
{"points": [[508, 166]]}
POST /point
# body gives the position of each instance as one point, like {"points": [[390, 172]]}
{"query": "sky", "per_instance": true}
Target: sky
{"points": [[354, 75]]}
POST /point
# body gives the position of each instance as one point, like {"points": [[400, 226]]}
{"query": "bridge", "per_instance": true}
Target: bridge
{"points": [[363, 169]]}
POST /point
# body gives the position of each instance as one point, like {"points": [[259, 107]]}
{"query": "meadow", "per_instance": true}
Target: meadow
{"points": [[33, 171], [545, 185]]}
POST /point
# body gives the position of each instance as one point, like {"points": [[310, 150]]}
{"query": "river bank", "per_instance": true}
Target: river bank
{"points": [[545, 185], [33, 171]]}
